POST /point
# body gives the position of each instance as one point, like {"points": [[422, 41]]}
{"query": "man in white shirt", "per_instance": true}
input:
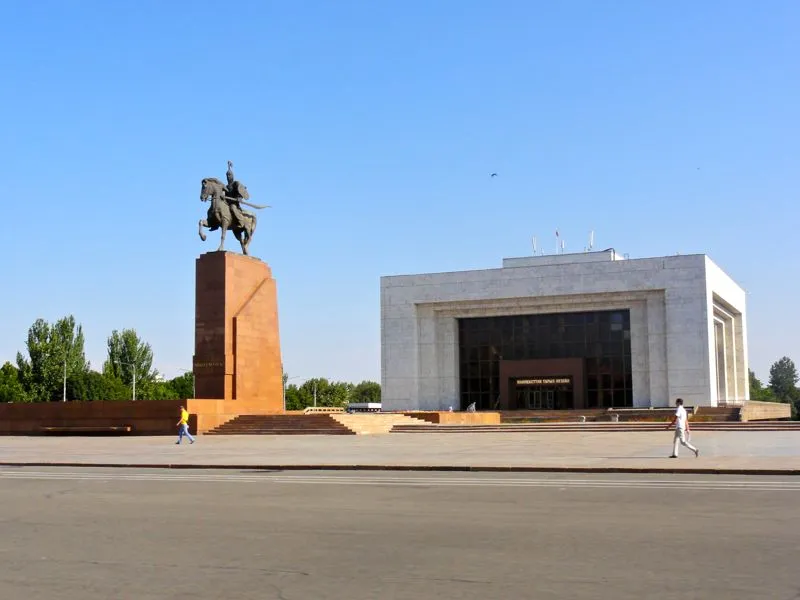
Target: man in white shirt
{"points": [[681, 423]]}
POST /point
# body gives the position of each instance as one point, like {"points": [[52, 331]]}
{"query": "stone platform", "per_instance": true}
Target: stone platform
{"points": [[736, 452]]}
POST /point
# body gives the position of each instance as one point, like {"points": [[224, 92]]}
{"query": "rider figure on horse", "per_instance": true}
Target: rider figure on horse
{"points": [[234, 192]]}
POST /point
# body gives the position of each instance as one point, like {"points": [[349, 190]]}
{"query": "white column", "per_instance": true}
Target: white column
{"points": [[640, 354]]}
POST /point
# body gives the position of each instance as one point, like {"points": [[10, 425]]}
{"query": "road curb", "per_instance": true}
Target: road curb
{"points": [[434, 468]]}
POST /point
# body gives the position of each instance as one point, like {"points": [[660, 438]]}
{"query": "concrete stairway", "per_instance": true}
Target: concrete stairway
{"points": [[719, 413], [601, 415], [313, 424], [597, 427], [375, 423]]}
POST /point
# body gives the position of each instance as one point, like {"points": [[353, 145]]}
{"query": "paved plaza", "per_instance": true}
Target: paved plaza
{"points": [[95, 534], [738, 451]]}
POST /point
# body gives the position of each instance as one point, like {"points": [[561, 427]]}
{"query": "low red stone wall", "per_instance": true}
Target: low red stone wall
{"points": [[145, 417]]}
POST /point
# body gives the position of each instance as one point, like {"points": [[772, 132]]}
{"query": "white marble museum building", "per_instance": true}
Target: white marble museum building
{"points": [[565, 331]]}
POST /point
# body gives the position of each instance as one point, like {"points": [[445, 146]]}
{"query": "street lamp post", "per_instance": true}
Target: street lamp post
{"points": [[133, 365], [66, 356], [284, 380]]}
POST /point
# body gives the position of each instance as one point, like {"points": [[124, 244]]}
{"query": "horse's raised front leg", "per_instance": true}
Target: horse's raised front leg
{"points": [[200, 226]]}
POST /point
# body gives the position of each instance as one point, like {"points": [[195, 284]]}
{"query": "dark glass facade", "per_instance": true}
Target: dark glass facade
{"points": [[601, 338]]}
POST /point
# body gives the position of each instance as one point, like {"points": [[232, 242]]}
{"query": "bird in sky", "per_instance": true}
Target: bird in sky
{"points": [[493, 175]]}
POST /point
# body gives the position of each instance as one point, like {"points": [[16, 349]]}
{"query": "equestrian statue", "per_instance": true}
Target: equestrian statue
{"points": [[226, 210]]}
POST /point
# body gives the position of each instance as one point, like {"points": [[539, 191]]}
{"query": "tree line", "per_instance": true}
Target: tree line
{"points": [[321, 392], [782, 385], [55, 368]]}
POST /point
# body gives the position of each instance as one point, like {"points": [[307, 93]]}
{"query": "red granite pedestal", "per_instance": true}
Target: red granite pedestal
{"points": [[237, 359]]}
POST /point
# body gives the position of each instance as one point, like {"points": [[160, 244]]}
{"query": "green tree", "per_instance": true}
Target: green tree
{"points": [[340, 393], [183, 385], [129, 355], [366, 391], [159, 389], [783, 380], [11, 389], [327, 393], [758, 392], [92, 386], [295, 399], [52, 350]]}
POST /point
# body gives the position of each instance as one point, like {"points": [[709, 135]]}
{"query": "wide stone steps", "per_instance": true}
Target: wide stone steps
{"points": [[277, 432], [314, 424], [596, 427], [716, 414], [375, 423]]}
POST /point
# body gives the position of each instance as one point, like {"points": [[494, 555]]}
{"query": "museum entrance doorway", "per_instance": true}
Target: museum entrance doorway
{"points": [[543, 393], [543, 384]]}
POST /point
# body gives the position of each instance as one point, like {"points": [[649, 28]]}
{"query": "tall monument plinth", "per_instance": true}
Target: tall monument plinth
{"points": [[237, 356]]}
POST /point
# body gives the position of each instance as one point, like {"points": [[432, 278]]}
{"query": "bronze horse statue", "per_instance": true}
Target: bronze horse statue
{"points": [[225, 213]]}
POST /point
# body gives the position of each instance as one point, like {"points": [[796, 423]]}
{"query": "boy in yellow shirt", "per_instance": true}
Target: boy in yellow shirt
{"points": [[183, 426]]}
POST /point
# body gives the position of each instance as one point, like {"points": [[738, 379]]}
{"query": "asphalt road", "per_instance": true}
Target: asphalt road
{"points": [[85, 534]]}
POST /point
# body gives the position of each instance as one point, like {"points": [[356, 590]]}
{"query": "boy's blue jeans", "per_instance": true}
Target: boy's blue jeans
{"points": [[184, 431]]}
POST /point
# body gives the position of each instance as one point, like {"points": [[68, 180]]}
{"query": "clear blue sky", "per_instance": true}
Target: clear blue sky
{"points": [[372, 127]]}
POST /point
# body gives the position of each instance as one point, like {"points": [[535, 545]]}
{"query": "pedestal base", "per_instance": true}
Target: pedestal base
{"points": [[237, 347]]}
